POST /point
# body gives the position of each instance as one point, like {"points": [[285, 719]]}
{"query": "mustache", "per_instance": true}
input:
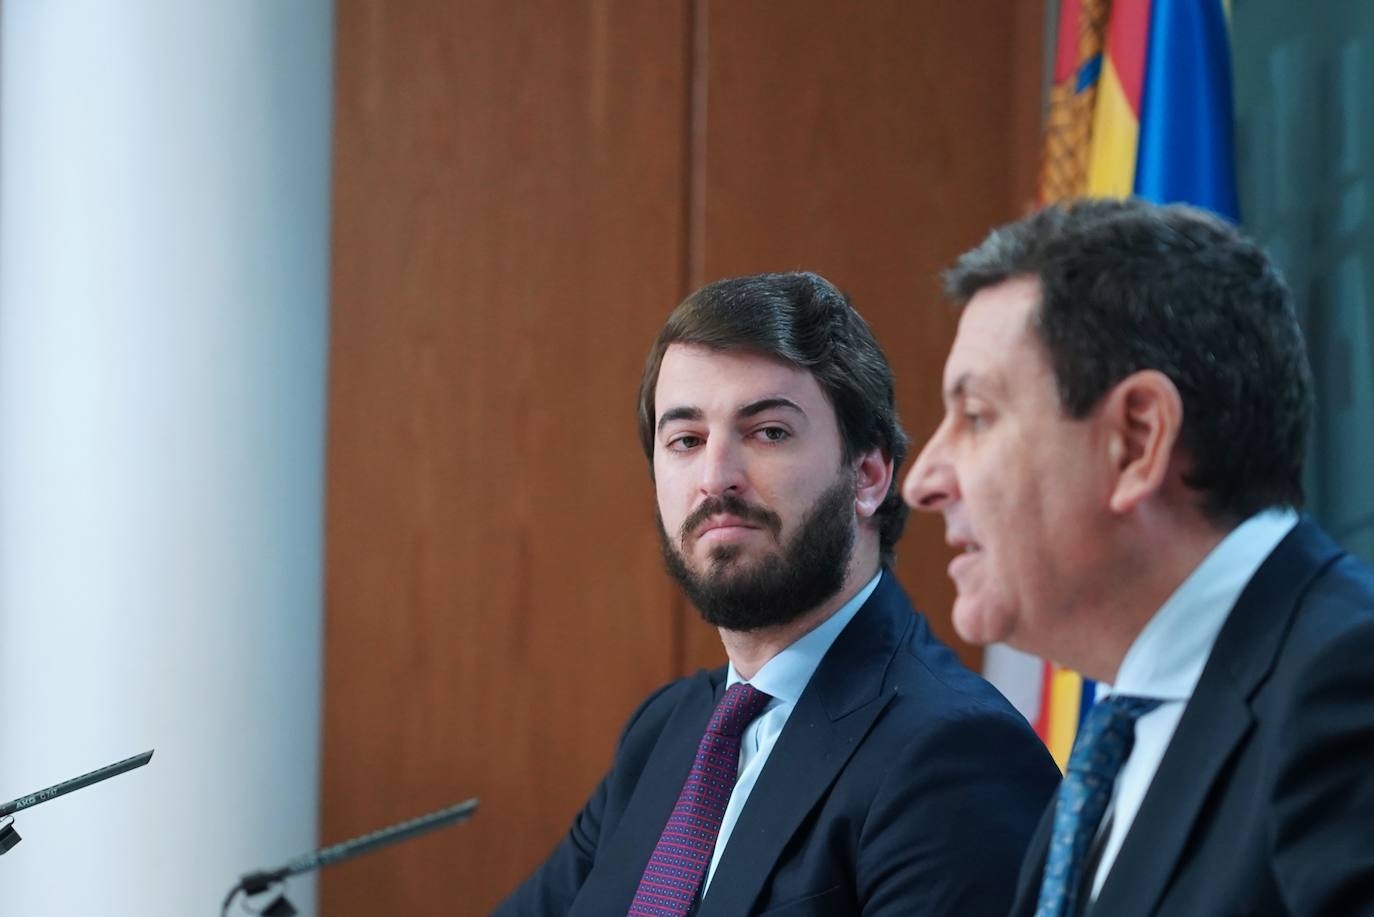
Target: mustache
{"points": [[729, 505]]}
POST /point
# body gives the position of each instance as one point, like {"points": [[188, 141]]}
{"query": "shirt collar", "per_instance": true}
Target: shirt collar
{"points": [[786, 675], [1167, 658]]}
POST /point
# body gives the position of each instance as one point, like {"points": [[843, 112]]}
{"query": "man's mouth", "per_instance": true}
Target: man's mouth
{"points": [[726, 516], [968, 552], [724, 530], [962, 544], [717, 523]]}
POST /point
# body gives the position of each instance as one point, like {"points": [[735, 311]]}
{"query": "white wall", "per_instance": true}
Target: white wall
{"points": [[163, 312]]}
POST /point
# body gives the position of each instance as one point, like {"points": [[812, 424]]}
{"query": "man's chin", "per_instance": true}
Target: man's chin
{"points": [[979, 623], [726, 560], [724, 574]]}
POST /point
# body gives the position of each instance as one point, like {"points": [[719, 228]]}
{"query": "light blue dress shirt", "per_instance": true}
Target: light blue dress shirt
{"points": [[783, 678]]}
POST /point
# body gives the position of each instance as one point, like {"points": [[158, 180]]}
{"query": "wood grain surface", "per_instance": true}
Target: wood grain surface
{"points": [[522, 192]]}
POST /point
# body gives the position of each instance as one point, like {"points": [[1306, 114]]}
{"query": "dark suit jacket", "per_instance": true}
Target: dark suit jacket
{"points": [[1264, 800], [901, 784]]}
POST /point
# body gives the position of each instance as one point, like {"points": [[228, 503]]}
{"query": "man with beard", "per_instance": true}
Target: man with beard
{"points": [[843, 762]]}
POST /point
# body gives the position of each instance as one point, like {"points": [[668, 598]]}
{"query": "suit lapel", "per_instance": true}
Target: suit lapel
{"points": [[621, 860], [1206, 737], [842, 702], [1214, 724]]}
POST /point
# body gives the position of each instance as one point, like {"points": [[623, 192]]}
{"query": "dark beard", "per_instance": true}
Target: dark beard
{"points": [[782, 586]]}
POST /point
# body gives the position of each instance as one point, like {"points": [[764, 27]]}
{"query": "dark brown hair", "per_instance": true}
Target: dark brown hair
{"points": [[803, 319], [1129, 285]]}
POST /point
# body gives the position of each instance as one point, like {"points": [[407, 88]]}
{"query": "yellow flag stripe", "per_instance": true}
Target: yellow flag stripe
{"points": [[1066, 692], [1116, 133]]}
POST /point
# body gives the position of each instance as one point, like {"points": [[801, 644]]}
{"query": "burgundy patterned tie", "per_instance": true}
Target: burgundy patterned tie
{"points": [[678, 863]]}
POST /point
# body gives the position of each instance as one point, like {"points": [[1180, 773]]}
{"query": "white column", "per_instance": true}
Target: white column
{"points": [[163, 313]]}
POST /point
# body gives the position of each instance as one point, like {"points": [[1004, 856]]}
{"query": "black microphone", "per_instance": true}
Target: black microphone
{"points": [[254, 883], [9, 837]]}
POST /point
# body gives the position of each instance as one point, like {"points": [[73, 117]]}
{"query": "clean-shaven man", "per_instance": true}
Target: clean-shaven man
{"points": [[1120, 466]]}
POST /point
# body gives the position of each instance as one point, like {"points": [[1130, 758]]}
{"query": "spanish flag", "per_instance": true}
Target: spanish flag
{"points": [[1140, 104]]}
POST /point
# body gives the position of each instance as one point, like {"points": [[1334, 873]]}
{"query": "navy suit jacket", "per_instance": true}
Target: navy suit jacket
{"points": [[1264, 800], [901, 784]]}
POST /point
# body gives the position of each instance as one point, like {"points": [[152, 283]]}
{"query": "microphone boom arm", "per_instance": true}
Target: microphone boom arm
{"points": [[9, 837], [256, 882]]}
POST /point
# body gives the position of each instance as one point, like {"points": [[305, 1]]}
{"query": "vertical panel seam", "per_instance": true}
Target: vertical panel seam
{"points": [[699, 84], [695, 62]]}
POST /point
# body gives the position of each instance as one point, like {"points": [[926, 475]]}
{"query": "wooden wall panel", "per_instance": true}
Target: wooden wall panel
{"points": [[870, 142], [508, 235], [522, 191]]}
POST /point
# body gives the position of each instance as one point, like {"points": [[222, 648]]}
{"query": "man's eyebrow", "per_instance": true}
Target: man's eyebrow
{"points": [[957, 389], [751, 409], [683, 413], [990, 384], [754, 408]]}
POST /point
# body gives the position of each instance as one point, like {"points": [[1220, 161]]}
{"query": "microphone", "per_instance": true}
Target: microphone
{"points": [[254, 883], [9, 837]]}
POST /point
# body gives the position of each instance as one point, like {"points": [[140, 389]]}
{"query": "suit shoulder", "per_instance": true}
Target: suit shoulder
{"points": [[653, 712], [1344, 591], [930, 679], [926, 675], [1335, 614]]}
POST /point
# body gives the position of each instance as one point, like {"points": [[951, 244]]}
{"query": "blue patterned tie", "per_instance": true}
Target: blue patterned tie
{"points": [[1103, 743], [678, 864]]}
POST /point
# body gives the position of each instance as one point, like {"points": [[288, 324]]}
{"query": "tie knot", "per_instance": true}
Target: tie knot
{"points": [[1108, 733], [737, 709]]}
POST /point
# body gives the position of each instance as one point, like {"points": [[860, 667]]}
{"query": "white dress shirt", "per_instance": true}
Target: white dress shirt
{"points": [[1167, 658], [783, 678]]}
